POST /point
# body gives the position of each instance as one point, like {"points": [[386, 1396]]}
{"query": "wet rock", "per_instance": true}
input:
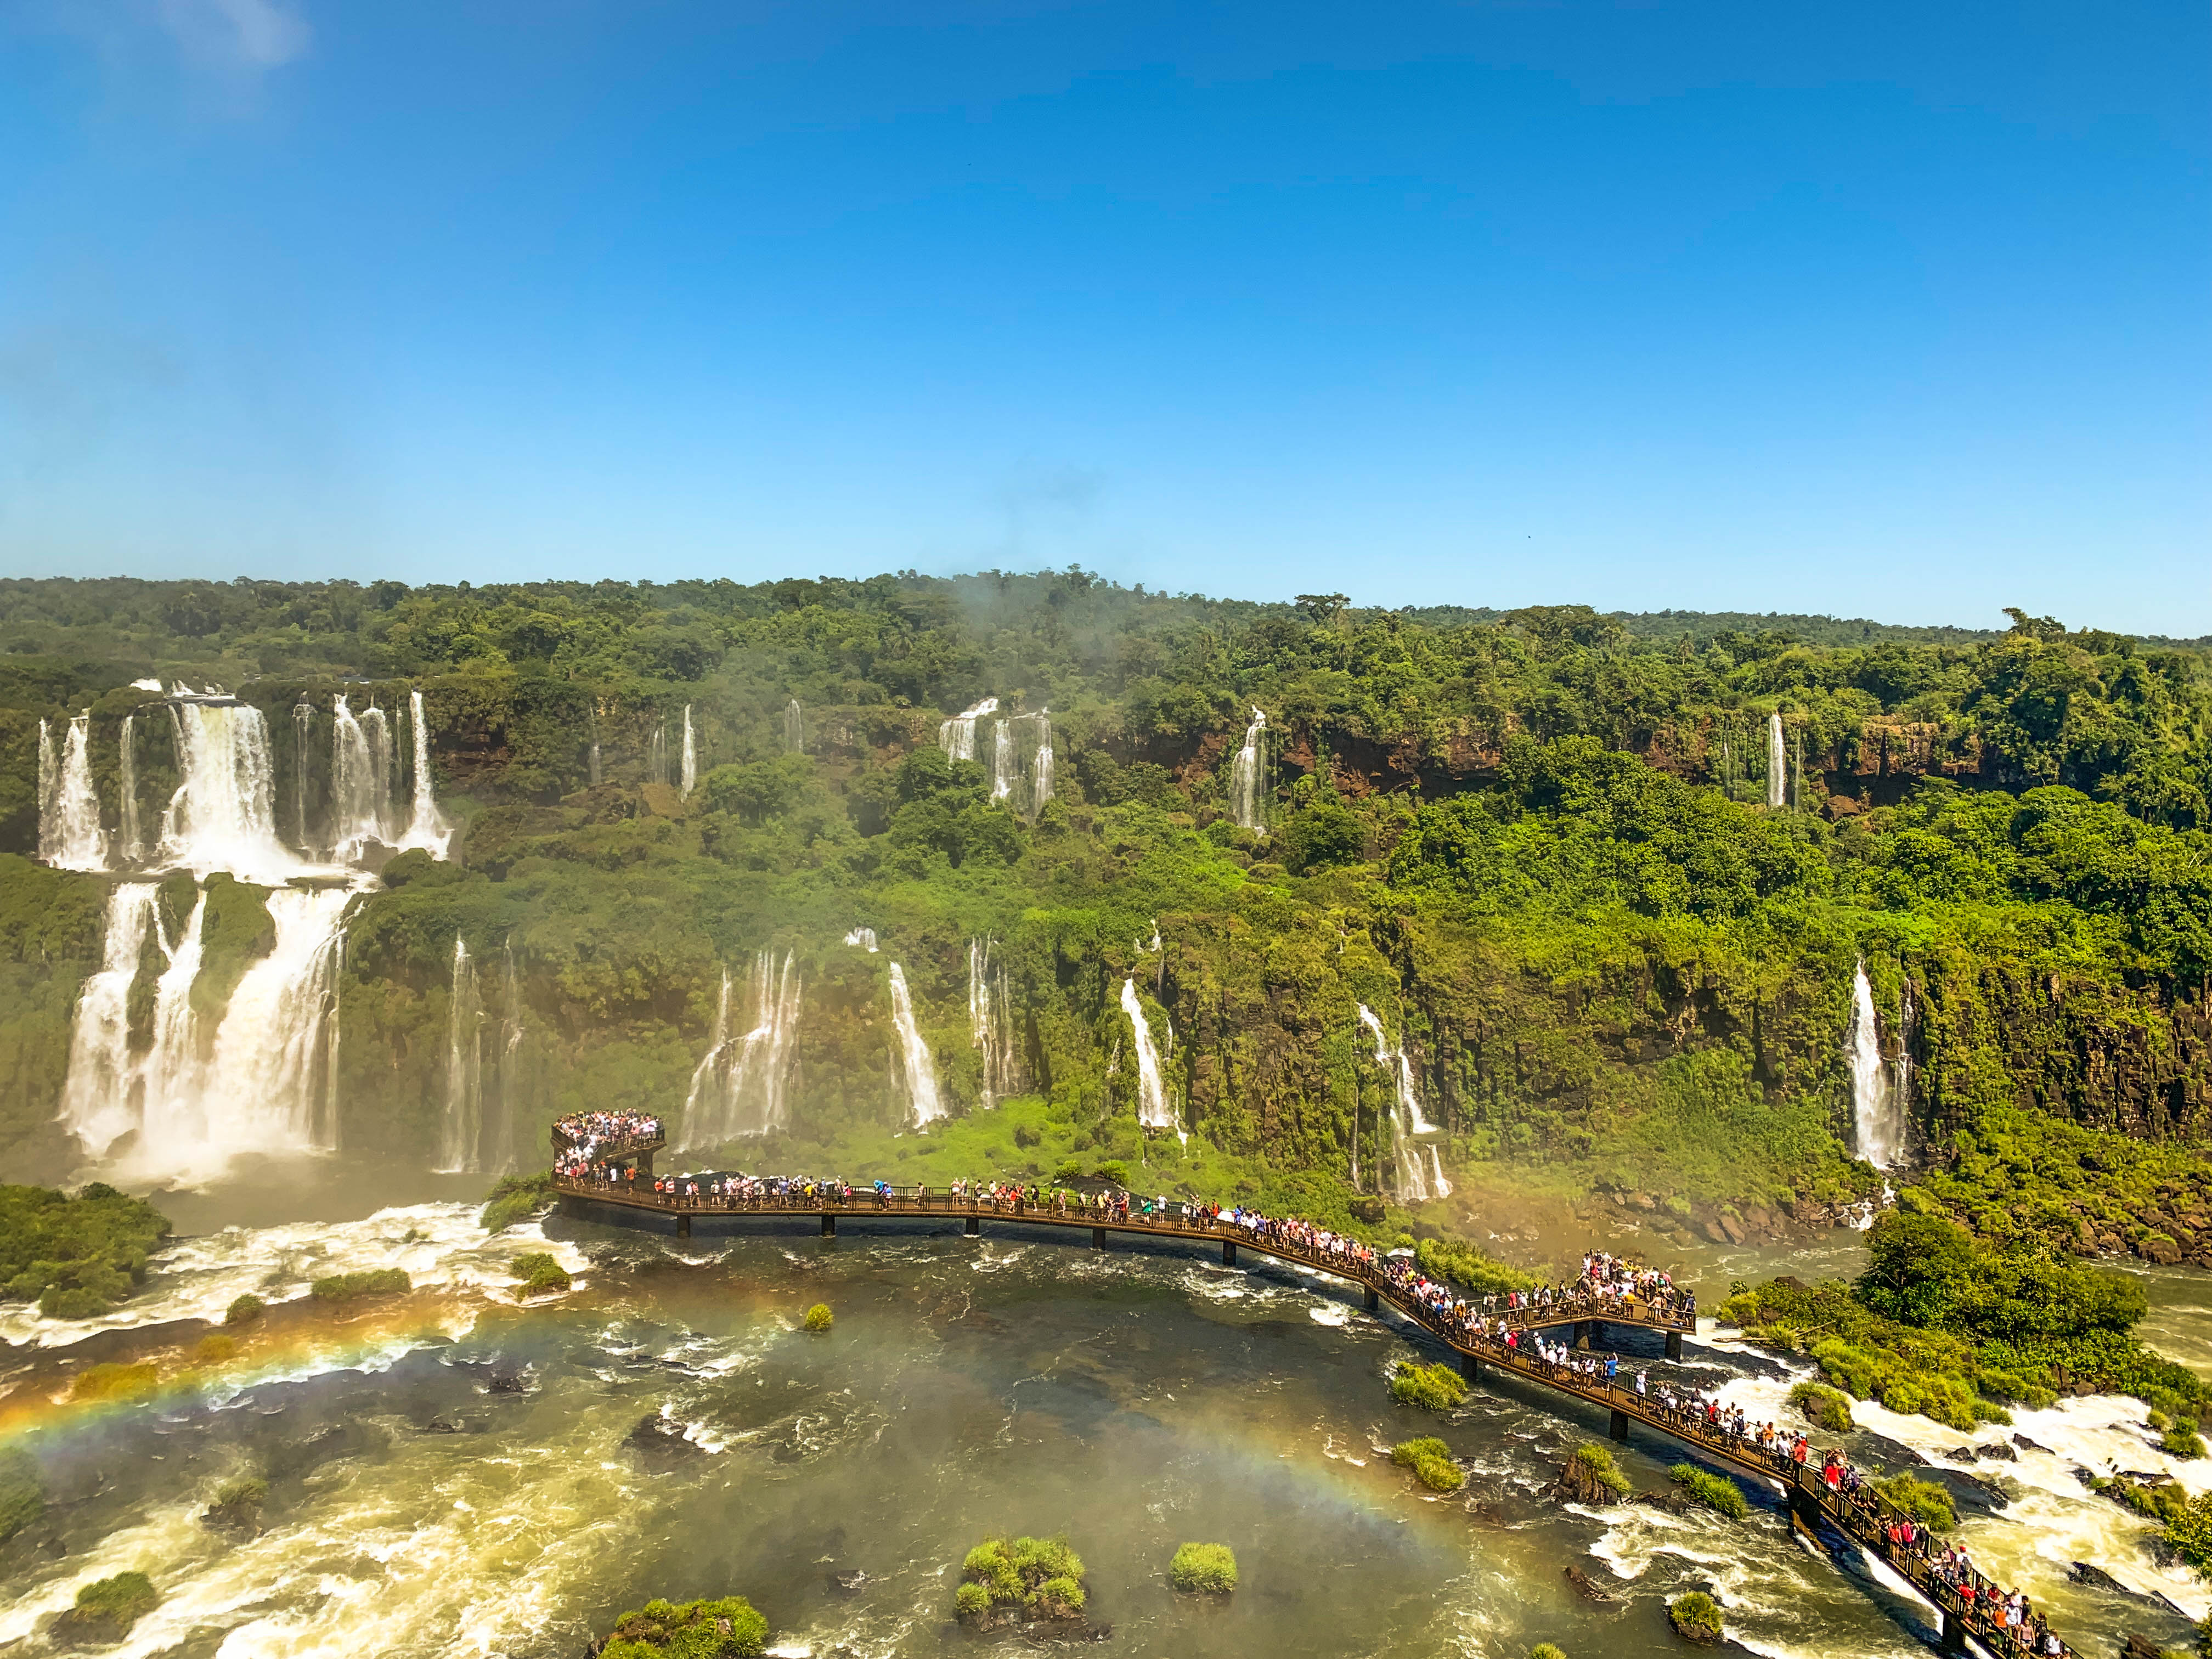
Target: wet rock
{"points": [[507, 1382], [2026, 1445], [1674, 1501], [2163, 1251], [1732, 1230], [1970, 1494], [661, 1436], [848, 1581], [1996, 1450], [1891, 1451], [441, 1425], [1713, 1231], [2095, 1577], [1590, 1589]]}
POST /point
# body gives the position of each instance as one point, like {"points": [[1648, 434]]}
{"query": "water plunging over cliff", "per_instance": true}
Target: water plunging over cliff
{"points": [[70, 835], [591, 773], [1876, 1121], [1406, 1120], [461, 1125], [223, 816], [133, 847], [273, 1081], [98, 1106], [361, 780], [173, 1122], [990, 1022], [1002, 760], [862, 939], [1393, 1059], [1153, 1111], [918, 1071], [1247, 778], [741, 1085], [427, 828], [688, 777], [1778, 764], [1041, 772], [957, 737], [794, 728]]}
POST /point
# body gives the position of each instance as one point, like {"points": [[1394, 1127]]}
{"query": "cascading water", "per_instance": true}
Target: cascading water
{"points": [[1003, 764], [173, 1123], [70, 835], [990, 1022], [1778, 764], [741, 1085], [272, 1083], [656, 755], [957, 737], [1439, 1186], [1041, 772], [506, 1068], [1908, 1032], [461, 1125], [427, 828], [592, 755], [1875, 1123], [863, 939], [303, 734], [133, 849], [794, 728], [223, 816], [1247, 779], [688, 777], [1406, 1118], [361, 799], [920, 1071], [97, 1103], [1153, 1111]]}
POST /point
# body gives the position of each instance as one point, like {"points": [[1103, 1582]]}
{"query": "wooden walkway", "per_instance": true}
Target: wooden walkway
{"points": [[1862, 1516]]}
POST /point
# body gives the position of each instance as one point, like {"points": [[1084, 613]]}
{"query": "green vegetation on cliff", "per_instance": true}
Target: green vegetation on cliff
{"points": [[77, 1257]]}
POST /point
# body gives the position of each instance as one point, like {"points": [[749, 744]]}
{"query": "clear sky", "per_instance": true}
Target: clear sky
{"points": [[1901, 310]]}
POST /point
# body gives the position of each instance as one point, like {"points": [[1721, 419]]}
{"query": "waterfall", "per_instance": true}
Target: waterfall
{"points": [[914, 1056], [1152, 1110], [506, 1068], [957, 737], [592, 755], [70, 835], [741, 1084], [1437, 1172], [271, 1085], [96, 1094], [863, 939], [427, 828], [1040, 774], [656, 755], [462, 1126], [688, 777], [990, 1022], [1247, 778], [1877, 1122], [303, 734], [1908, 1032], [133, 850], [1002, 760], [173, 1126], [1778, 764], [360, 786], [794, 727], [223, 816], [1394, 1061]]}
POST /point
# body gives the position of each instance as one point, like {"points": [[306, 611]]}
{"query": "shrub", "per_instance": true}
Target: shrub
{"points": [[76, 1257], [819, 1318], [1433, 1388], [350, 1287], [114, 1382], [1595, 1465], [245, 1491], [214, 1348], [1696, 1616], [1544, 1650], [1826, 1407], [1070, 1169], [1058, 1598], [1114, 1171], [1716, 1491], [539, 1271], [516, 1198], [1204, 1567], [971, 1601], [23, 1499], [1461, 1263], [245, 1310], [1430, 1460], [1924, 1500], [729, 1628], [2181, 1442], [106, 1608], [1042, 1577]]}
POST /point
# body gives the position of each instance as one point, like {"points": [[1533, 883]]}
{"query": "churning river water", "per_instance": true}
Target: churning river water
{"points": [[451, 1475]]}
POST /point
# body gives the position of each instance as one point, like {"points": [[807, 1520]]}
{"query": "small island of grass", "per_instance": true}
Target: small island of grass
{"points": [[1696, 1617], [729, 1627], [1030, 1578], [819, 1318], [106, 1608], [1432, 1388], [1430, 1461], [1208, 1567]]}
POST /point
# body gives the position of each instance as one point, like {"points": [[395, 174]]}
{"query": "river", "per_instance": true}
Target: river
{"points": [[452, 1474]]}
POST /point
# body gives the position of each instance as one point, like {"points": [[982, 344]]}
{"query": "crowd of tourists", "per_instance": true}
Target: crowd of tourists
{"points": [[585, 1137]]}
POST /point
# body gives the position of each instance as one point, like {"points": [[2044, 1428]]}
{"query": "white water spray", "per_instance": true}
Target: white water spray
{"points": [[688, 777], [223, 816], [70, 835], [361, 783], [863, 939], [794, 728], [98, 1106], [427, 828], [1152, 1110], [741, 1085], [1003, 765], [1247, 778], [990, 1026], [957, 737], [914, 1056], [272, 1083], [173, 1122], [133, 849], [1778, 764], [461, 1124], [1875, 1117]]}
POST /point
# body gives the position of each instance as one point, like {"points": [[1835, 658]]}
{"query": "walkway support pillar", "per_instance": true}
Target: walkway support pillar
{"points": [[829, 1224], [1619, 1427], [1097, 1238], [1374, 1300], [1470, 1366], [1582, 1334], [1805, 1511], [1228, 1252], [1674, 1346], [682, 1225], [974, 1226], [1951, 1636]]}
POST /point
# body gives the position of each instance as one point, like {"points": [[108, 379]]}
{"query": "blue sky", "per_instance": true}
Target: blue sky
{"points": [[1903, 312]]}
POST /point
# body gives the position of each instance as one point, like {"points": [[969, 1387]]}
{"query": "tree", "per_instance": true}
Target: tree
{"points": [[1322, 608]]}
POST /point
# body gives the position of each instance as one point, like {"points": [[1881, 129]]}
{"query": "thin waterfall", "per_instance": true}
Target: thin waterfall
{"points": [[223, 815], [303, 734], [461, 1126], [1875, 1128], [957, 737], [1442, 1188], [794, 727], [1393, 1059], [269, 1081], [173, 1123], [1041, 772], [1908, 1034], [592, 755], [361, 798], [70, 835], [990, 1022], [742, 1084], [689, 776], [656, 755], [98, 1106], [1778, 764], [1152, 1110], [506, 1068], [862, 939], [1247, 778], [1003, 764], [427, 828], [919, 1070], [384, 753], [133, 850]]}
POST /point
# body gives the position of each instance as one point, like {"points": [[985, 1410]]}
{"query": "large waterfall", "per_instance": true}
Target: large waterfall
{"points": [[427, 828], [990, 1022], [1153, 1111], [741, 1084], [920, 1071], [172, 1121], [1778, 764], [460, 1126], [688, 778], [1003, 767], [303, 734], [361, 780], [1406, 1121], [1247, 778], [957, 737], [1021, 762], [223, 816], [273, 1080], [133, 849], [70, 835], [97, 1103], [794, 728], [1877, 1120]]}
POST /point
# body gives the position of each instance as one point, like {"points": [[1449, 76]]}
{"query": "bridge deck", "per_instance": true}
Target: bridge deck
{"points": [[1862, 1516]]}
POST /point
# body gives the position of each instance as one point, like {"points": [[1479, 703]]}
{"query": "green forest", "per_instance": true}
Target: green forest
{"points": [[1537, 844]]}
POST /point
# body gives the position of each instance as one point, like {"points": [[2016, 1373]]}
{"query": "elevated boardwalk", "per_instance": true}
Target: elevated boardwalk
{"points": [[1862, 1516]]}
